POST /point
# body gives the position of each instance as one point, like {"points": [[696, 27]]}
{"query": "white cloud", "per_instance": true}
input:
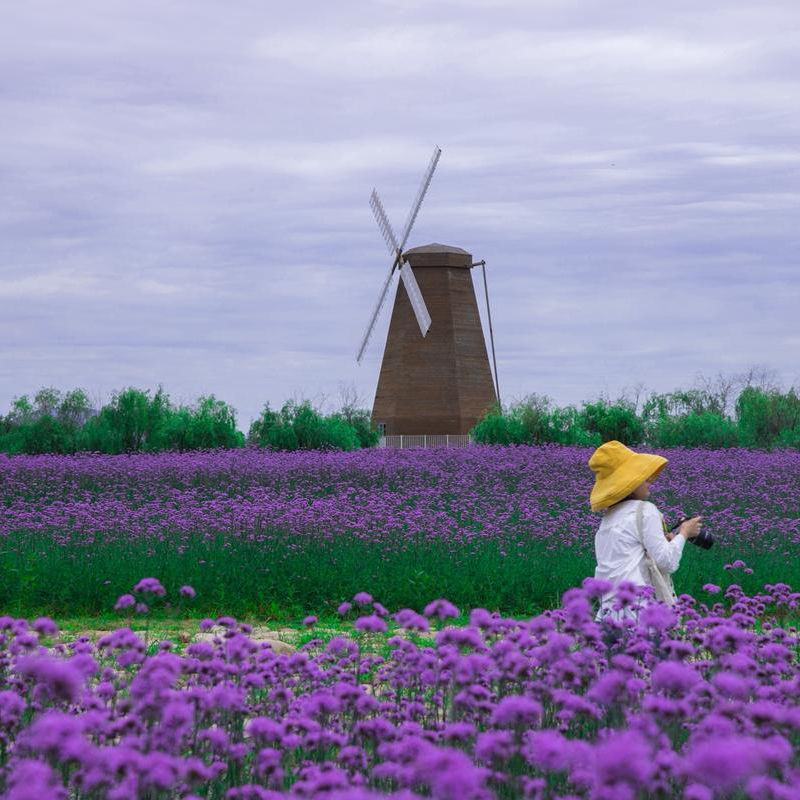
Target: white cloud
{"points": [[322, 159], [302, 159], [760, 156], [160, 288], [59, 282], [425, 50]]}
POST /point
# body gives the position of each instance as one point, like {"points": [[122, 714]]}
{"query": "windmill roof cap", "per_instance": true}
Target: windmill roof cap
{"points": [[435, 247], [438, 255]]}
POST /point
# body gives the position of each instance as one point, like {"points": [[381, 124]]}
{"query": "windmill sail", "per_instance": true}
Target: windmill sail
{"points": [[406, 273], [383, 223], [396, 250], [375, 314], [423, 190], [415, 296]]}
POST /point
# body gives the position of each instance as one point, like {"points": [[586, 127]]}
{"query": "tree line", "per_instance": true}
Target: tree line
{"points": [[138, 421], [749, 411], [746, 411]]}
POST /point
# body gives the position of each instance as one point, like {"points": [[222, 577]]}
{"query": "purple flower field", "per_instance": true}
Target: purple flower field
{"points": [[502, 527], [698, 702], [701, 702]]}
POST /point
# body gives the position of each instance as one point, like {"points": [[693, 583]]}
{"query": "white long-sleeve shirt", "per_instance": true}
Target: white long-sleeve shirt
{"points": [[619, 550]]}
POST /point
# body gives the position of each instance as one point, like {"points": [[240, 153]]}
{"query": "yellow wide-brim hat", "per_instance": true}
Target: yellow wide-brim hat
{"points": [[618, 471]]}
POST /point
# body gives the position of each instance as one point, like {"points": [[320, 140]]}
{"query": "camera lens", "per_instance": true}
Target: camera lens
{"points": [[704, 540]]}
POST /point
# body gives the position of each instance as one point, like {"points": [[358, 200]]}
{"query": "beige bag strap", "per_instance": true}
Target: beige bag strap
{"points": [[664, 589], [639, 528]]}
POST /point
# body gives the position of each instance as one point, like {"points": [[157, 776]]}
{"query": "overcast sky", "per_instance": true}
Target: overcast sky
{"points": [[184, 189]]}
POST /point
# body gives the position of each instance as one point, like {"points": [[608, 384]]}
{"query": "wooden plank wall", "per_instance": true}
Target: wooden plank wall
{"points": [[441, 384]]}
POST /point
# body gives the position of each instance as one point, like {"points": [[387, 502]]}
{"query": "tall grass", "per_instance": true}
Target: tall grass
{"points": [[254, 578]]}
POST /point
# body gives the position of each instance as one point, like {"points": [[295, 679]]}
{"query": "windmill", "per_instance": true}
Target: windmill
{"points": [[435, 377]]}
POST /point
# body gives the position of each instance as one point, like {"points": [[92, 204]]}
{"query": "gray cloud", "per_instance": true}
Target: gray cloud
{"points": [[184, 189]]}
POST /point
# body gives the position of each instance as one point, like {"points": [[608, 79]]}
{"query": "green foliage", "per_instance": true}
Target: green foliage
{"points": [[789, 438], [566, 427], [132, 422], [765, 418], [99, 436], [299, 426], [11, 441], [704, 429], [360, 419], [49, 424], [47, 435], [499, 428], [211, 423], [612, 421], [272, 430], [533, 415], [689, 418], [74, 409], [683, 403], [534, 421], [22, 412]]}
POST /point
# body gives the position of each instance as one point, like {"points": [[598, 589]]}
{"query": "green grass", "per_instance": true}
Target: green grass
{"points": [[181, 631], [273, 581]]}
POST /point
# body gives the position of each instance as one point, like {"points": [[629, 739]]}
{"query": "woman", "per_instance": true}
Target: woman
{"points": [[631, 528]]}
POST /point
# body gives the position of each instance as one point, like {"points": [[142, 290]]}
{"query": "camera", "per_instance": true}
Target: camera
{"points": [[703, 539]]}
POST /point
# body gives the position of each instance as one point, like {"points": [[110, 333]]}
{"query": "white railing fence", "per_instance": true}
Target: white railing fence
{"points": [[425, 440]]}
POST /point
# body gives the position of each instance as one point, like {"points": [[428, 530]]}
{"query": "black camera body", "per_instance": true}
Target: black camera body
{"points": [[703, 539]]}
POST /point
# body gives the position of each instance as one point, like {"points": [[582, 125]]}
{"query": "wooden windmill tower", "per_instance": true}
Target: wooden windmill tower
{"points": [[435, 377]]}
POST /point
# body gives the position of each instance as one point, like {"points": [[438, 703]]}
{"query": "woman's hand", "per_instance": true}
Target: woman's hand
{"points": [[691, 528]]}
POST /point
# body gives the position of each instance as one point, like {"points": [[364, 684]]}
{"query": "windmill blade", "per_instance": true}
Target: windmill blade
{"points": [[423, 188], [407, 275], [383, 223], [376, 312], [415, 296]]}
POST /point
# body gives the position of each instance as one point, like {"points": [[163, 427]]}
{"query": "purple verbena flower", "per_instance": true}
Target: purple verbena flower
{"points": [[362, 599], [124, 602], [150, 586], [442, 609], [371, 624]]}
